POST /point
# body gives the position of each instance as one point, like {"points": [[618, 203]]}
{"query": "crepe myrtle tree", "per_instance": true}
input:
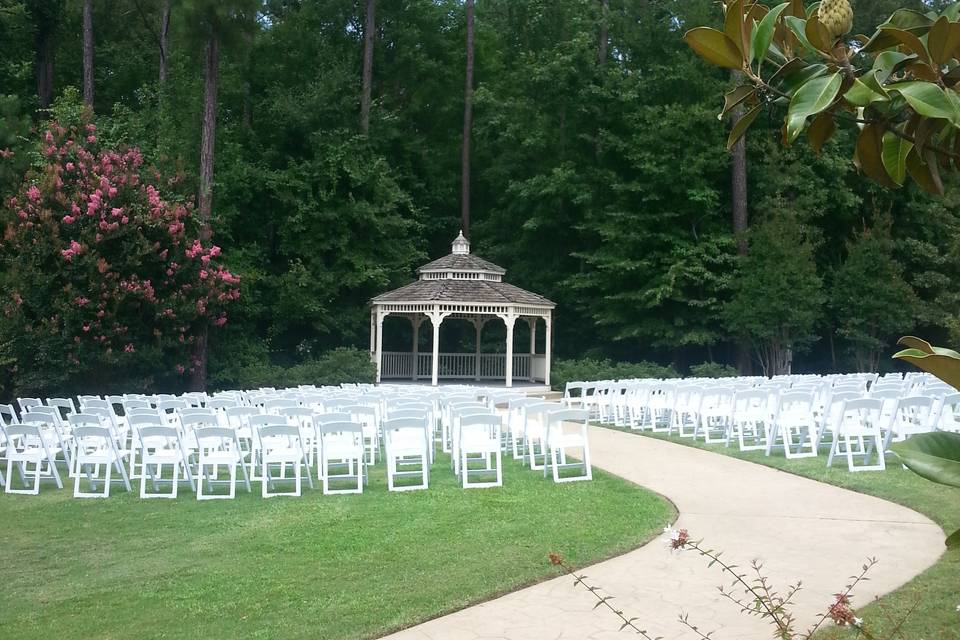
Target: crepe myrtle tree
{"points": [[105, 280], [898, 86]]}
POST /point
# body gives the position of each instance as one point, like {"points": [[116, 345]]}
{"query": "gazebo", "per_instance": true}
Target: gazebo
{"points": [[461, 286]]}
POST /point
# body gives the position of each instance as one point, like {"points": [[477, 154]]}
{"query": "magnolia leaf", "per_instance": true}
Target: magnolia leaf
{"points": [[810, 99], [911, 42], [740, 128], [797, 27], [763, 34], [943, 40], [927, 177], [821, 129], [909, 20], [817, 34], [714, 47], [860, 94], [894, 156], [952, 12], [870, 155], [934, 456], [733, 24], [920, 344], [736, 97], [886, 62], [927, 99]]}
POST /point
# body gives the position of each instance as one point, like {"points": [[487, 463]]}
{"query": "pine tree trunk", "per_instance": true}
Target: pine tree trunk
{"points": [[164, 43], [604, 32], [738, 201], [88, 53], [45, 52], [467, 125], [207, 142], [369, 31], [207, 146]]}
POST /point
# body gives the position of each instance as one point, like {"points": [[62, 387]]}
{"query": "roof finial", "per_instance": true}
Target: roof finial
{"points": [[461, 246]]}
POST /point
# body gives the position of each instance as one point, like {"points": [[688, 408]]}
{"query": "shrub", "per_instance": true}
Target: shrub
{"points": [[342, 365], [587, 369], [713, 370], [105, 280]]}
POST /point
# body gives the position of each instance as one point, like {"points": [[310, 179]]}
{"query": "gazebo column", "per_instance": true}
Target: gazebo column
{"points": [[416, 320], [373, 333], [478, 325], [533, 344], [380, 316], [436, 319], [547, 349], [509, 319]]}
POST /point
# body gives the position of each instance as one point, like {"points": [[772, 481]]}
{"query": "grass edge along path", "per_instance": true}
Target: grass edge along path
{"points": [[929, 601], [331, 567]]}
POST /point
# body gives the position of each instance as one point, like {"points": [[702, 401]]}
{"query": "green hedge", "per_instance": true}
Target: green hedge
{"points": [[713, 370], [587, 369], [331, 368]]}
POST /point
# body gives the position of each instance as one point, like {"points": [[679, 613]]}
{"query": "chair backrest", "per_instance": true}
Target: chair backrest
{"points": [[27, 403], [84, 420], [96, 432], [141, 420], [52, 412], [27, 430], [265, 420], [413, 414], [135, 403], [278, 431], [36, 417], [222, 402], [217, 434], [172, 404], [8, 415], [861, 413], [153, 433], [340, 427], [272, 405], [65, 405]]}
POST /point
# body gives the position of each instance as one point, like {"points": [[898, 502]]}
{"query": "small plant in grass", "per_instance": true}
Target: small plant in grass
{"points": [[751, 592]]}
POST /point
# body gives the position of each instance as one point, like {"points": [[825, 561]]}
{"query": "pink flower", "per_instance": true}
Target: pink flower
{"points": [[33, 193], [128, 348], [80, 301], [48, 137], [68, 219], [214, 251], [203, 274], [124, 219], [91, 127], [86, 328], [70, 166], [116, 211], [91, 138], [6, 153], [180, 369]]}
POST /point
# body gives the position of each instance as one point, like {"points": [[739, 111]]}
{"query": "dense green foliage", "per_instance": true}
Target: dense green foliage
{"points": [[588, 369], [599, 181], [330, 567]]}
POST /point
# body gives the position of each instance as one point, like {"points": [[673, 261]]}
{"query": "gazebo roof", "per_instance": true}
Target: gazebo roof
{"points": [[460, 277], [463, 291]]}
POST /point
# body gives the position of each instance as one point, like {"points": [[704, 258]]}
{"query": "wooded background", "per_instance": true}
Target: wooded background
{"points": [[595, 172]]}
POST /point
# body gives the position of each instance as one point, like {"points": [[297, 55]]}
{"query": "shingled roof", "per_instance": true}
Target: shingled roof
{"points": [[451, 290], [461, 262]]}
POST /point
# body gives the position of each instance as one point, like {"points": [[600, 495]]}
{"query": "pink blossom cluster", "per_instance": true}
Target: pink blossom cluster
{"points": [[132, 264]]}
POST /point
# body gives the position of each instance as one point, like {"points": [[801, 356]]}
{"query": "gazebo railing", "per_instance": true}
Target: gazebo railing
{"points": [[399, 364]]}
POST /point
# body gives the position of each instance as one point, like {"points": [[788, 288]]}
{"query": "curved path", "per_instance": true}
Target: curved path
{"points": [[800, 529]]}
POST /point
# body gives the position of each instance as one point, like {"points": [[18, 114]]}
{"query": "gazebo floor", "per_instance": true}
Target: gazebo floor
{"points": [[518, 385]]}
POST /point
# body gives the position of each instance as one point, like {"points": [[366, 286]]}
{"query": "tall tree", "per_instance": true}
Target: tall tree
{"points": [[46, 15], [164, 42], [369, 30], [604, 31], [88, 53], [467, 125]]}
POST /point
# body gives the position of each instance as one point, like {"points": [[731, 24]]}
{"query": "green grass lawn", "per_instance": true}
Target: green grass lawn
{"points": [[933, 595], [319, 567]]}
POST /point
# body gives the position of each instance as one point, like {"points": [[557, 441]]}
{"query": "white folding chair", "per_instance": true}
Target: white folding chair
{"points": [[342, 445], [535, 431], [26, 445], [795, 425], [96, 445], [752, 419], [860, 434], [281, 444], [567, 430], [160, 445], [218, 446], [715, 414], [479, 441], [913, 415], [405, 445]]}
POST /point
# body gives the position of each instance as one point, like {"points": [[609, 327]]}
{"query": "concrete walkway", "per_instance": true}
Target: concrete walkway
{"points": [[800, 529]]}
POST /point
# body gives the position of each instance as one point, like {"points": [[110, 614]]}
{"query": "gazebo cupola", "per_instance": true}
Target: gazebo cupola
{"points": [[461, 286]]}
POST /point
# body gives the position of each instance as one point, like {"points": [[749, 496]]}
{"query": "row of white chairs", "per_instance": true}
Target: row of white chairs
{"points": [[851, 416], [167, 440]]}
